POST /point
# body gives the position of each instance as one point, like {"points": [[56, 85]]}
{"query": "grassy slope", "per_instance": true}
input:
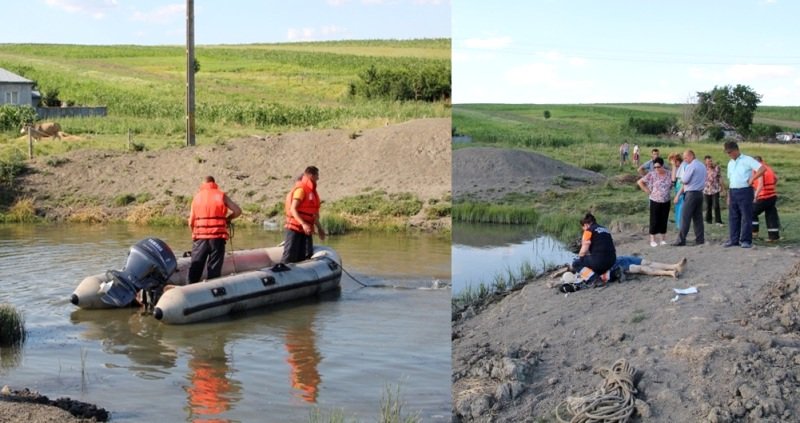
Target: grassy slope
{"points": [[589, 136], [239, 88]]}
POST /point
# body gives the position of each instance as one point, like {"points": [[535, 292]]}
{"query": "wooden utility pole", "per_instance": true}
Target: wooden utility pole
{"points": [[189, 72]]}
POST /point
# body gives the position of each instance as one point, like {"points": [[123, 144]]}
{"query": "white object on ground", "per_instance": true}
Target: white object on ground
{"points": [[675, 300], [685, 291]]}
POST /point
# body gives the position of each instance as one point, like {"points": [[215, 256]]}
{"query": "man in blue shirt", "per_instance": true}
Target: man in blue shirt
{"points": [[694, 180], [740, 200]]}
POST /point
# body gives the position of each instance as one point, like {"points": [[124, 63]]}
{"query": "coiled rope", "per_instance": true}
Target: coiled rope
{"points": [[613, 402]]}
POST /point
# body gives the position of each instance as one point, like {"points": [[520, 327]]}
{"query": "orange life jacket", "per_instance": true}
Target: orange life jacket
{"points": [[308, 207], [770, 181], [209, 213]]}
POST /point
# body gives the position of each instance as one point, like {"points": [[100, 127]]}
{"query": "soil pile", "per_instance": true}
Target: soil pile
{"points": [[413, 157], [30, 406], [728, 353], [486, 173]]}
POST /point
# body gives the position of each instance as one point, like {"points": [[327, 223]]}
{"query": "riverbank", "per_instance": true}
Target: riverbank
{"points": [[723, 354], [410, 161]]}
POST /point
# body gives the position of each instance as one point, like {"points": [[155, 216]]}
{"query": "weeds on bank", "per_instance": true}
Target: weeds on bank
{"points": [[22, 211], [392, 407], [500, 283], [12, 326]]}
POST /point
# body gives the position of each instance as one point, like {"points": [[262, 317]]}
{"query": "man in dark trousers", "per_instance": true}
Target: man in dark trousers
{"points": [[766, 195], [302, 216], [694, 180], [209, 220], [742, 170]]}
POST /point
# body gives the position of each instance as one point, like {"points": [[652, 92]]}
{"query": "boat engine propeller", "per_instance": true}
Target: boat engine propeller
{"points": [[150, 264]]}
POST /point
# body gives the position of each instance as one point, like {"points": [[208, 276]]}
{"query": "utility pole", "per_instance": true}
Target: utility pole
{"points": [[189, 73]]}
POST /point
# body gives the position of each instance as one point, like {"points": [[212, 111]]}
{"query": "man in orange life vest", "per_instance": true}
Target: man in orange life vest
{"points": [[209, 222], [302, 215], [766, 194]]}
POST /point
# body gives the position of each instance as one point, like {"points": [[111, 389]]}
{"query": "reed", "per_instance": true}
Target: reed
{"points": [[12, 326], [392, 408], [22, 211], [478, 212], [335, 224], [501, 282]]}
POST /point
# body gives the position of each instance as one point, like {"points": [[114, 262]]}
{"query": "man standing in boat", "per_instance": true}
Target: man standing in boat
{"points": [[209, 220], [302, 216]]}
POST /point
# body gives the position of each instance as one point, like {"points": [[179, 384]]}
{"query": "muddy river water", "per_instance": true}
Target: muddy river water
{"points": [[340, 352]]}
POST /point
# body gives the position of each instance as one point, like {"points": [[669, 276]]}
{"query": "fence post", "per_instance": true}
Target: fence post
{"points": [[30, 143]]}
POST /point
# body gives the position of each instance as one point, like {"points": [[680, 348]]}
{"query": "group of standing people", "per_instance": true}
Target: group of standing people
{"points": [[623, 154], [689, 184], [212, 212]]}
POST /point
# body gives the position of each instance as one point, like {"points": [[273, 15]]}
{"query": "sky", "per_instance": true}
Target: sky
{"points": [[623, 51], [150, 22]]}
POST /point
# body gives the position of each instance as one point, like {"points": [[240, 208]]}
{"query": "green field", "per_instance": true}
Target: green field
{"points": [[240, 89], [589, 136]]}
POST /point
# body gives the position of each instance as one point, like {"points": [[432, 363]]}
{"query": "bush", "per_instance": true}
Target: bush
{"points": [[420, 83], [547, 114], [716, 133], [652, 126], [12, 118], [11, 168], [124, 199], [762, 130], [12, 326]]}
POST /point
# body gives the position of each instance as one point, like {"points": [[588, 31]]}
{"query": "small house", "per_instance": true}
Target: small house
{"points": [[15, 89]]}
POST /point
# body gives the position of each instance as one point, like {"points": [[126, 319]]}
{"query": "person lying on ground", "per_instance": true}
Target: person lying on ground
{"points": [[626, 264]]}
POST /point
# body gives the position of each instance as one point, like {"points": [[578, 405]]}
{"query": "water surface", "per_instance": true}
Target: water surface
{"points": [[337, 352], [482, 252]]}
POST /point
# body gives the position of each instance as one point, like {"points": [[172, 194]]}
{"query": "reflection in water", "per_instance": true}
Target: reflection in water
{"points": [[486, 235], [129, 333], [303, 359], [482, 253], [211, 390]]}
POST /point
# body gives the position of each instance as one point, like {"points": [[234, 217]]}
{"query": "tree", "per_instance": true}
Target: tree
{"points": [[729, 105], [547, 114]]}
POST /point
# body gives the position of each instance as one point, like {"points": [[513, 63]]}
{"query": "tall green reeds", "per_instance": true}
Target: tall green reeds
{"points": [[494, 213], [12, 326]]}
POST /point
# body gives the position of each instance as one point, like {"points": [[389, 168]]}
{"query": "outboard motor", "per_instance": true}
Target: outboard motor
{"points": [[150, 264]]}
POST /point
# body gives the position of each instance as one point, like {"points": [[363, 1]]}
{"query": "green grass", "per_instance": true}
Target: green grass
{"points": [[501, 282], [240, 89], [392, 411], [12, 326], [588, 136]]}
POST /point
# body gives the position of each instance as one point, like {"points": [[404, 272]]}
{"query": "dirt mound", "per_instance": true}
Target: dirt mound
{"points": [[409, 157], [727, 353], [485, 173], [30, 406]]}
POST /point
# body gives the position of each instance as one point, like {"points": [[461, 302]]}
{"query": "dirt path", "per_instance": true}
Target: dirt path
{"points": [[413, 157], [729, 353]]}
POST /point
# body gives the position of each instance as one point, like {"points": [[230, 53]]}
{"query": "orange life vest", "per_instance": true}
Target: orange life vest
{"points": [[308, 207], [770, 181], [209, 213]]}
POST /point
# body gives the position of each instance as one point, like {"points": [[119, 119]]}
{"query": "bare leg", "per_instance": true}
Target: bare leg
{"points": [[664, 266], [646, 270]]}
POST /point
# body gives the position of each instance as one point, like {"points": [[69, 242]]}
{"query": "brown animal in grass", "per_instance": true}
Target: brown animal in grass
{"points": [[43, 130]]}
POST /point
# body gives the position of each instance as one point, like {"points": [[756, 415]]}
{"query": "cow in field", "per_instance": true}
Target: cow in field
{"points": [[42, 130]]}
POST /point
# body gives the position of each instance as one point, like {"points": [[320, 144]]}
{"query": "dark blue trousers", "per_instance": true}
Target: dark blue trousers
{"points": [[740, 215]]}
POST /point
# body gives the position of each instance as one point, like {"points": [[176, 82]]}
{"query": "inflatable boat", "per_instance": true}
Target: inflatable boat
{"points": [[250, 279]]}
